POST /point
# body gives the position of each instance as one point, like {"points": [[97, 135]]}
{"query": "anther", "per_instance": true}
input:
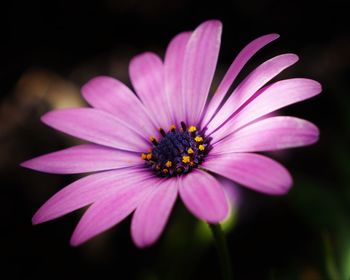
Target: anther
{"points": [[179, 170], [168, 164], [143, 156], [161, 130], [186, 159], [149, 156], [192, 129], [153, 140], [201, 147], [165, 171], [198, 139], [172, 128], [183, 126], [190, 151]]}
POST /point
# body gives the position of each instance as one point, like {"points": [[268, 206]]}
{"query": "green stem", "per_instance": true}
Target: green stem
{"points": [[330, 258], [221, 246]]}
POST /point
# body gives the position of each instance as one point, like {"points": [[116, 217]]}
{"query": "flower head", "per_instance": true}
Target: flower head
{"points": [[169, 139]]}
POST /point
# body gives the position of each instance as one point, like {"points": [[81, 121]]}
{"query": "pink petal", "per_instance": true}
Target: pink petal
{"points": [[269, 134], [203, 196], [114, 97], [233, 194], [201, 56], [153, 212], [108, 212], [86, 191], [96, 126], [270, 99], [173, 68], [242, 58], [147, 76], [250, 85], [83, 158], [254, 171]]}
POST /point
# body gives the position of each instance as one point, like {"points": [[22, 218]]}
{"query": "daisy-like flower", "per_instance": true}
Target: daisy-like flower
{"points": [[170, 139]]}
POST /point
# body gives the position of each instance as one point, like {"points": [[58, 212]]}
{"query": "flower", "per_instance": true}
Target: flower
{"points": [[171, 139]]}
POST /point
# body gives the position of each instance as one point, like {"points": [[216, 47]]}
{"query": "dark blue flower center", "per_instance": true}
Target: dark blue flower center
{"points": [[178, 151]]}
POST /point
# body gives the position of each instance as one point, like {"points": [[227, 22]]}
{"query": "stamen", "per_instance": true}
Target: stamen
{"points": [[198, 139], [143, 156], [190, 151], [153, 140], [192, 128], [168, 164], [183, 126], [172, 128], [165, 171], [201, 147], [162, 132], [186, 159], [179, 170], [149, 156]]}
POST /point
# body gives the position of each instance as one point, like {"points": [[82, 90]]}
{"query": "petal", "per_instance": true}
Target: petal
{"points": [[233, 195], [268, 135], [147, 76], [173, 67], [242, 58], [83, 158], [86, 191], [153, 212], [201, 56], [112, 96], [254, 171], [270, 99], [95, 126], [109, 211], [203, 196], [249, 86]]}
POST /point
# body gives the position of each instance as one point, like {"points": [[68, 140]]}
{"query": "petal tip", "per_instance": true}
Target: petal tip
{"points": [[36, 219], [293, 57], [47, 117], [211, 24], [219, 218], [274, 36], [26, 164], [76, 239], [74, 242]]}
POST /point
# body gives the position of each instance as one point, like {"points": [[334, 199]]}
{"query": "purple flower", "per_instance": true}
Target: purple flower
{"points": [[170, 139]]}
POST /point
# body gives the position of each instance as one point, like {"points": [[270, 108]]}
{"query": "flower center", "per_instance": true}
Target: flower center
{"points": [[178, 151]]}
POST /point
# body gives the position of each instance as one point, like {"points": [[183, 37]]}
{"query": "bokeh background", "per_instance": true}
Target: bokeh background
{"points": [[49, 49]]}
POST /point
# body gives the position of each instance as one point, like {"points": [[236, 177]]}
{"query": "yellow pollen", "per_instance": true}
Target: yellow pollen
{"points": [[168, 164], [152, 138], [172, 127], [186, 159], [143, 156], [198, 139], [149, 156], [165, 171], [192, 129], [190, 151], [201, 147]]}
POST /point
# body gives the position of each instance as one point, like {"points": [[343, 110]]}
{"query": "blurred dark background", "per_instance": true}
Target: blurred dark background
{"points": [[50, 48]]}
